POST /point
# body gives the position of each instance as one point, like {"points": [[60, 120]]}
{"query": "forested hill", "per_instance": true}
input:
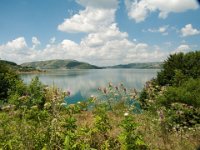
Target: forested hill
{"points": [[60, 64], [149, 65], [17, 67], [73, 64]]}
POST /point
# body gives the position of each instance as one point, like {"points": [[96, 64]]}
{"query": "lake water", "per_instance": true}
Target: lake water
{"points": [[84, 83]]}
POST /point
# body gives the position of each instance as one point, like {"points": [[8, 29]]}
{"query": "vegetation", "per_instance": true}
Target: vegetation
{"points": [[165, 115], [179, 67], [175, 93], [18, 68], [152, 65], [60, 64], [73, 64], [8, 81]]}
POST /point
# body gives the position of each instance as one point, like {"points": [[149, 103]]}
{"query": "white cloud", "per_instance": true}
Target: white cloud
{"points": [[140, 9], [162, 29], [106, 4], [114, 49], [182, 48], [188, 30], [17, 50], [104, 43], [52, 40], [88, 20], [35, 42], [16, 44]]}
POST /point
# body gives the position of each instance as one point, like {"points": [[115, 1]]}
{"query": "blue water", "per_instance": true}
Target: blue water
{"points": [[84, 83]]}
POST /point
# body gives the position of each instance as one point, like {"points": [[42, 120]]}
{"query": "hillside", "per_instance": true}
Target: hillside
{"points": [[60, 64], [17, 67], [150, 65]]}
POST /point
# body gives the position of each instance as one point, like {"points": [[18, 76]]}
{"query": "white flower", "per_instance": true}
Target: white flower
{"points": [[63, 104], [126, 114]]}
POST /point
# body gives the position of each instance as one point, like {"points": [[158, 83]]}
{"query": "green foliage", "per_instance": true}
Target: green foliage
{"points": [[182, 116], [129, 138], [119, 98], [176, 92], [187, 65], [8, 80], [101, 119], [188, 93], [60, 64], [36, 92]]}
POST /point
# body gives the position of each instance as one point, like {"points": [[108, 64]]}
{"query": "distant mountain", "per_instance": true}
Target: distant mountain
{"points": [[17, 67], [60, 64], [73, 64], [9, 63], [149, 65]]}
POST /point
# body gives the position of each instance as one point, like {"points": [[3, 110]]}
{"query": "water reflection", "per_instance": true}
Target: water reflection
{"points": [[83, 83]]}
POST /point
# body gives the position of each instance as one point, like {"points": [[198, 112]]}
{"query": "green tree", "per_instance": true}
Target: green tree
{"points": [[187, 65], [8, 81]]}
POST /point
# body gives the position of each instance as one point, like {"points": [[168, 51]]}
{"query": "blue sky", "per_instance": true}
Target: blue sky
{"points": [[100, 32]]}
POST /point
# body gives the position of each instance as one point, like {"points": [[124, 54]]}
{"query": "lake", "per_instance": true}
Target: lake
{"points": [[84, 83]]}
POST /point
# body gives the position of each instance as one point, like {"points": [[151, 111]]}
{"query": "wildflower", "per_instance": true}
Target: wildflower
{"points": [[34, 107], [99, 89], [46, 88], [93, 98], [23, 98], [68, 93], [71, 106], [104, 90], [47, 105], [110, 84], [54, 120], [125, 90], [63, 104], [116, 94], [117, 88], [79, 102], [126, 114], [161, 115]]}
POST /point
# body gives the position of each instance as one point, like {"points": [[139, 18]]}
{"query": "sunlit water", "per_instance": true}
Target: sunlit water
{"points": [[84, 83]]}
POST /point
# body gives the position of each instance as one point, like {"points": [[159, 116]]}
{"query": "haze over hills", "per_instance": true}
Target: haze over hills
{"points": [[73, 64], [149, 65]]}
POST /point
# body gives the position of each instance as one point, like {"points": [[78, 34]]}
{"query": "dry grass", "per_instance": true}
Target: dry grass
{"points": [[150, 128]]}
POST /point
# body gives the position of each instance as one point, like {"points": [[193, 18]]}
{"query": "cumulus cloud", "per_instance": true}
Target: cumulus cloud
{"points": [[188, 30], [182, 48], [35, 41], [17, 44], [104, 44], [17, 50], [99, 3], [111, 52], [140, 9], [88, 20], [52, 40], [162, 29]]}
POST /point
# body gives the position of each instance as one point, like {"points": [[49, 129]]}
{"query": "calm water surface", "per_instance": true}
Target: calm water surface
{"points": [[84, 83]]}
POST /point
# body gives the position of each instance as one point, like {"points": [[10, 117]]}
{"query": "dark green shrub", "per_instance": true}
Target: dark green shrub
{"points": [[8, 80], [187, 93], [188, 66]]}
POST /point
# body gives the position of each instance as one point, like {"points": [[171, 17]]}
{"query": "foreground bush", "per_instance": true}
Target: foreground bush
{"points": [[36, 117], [188, 93], [8, 81], [186, 64]]}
